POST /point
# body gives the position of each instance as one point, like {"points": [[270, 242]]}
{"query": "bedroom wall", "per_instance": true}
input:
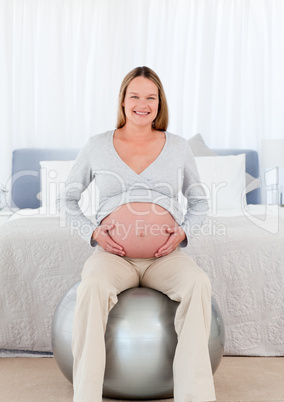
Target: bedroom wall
{"points": [[221, 62]]}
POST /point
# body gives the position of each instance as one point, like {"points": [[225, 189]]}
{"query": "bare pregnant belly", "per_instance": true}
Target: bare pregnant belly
{"points": [[140, 228]]}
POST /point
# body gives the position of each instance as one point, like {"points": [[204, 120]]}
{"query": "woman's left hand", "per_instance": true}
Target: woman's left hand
{"points": [[177, 235]]}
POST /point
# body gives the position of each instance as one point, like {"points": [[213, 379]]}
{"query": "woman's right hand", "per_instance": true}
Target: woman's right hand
{"points": [[102, 237]]}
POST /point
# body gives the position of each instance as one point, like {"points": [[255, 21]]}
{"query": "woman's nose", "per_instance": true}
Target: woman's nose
{"points": [[143, 102]]}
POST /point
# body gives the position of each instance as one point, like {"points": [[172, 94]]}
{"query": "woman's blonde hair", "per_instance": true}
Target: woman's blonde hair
{"points": [[162, 118]]}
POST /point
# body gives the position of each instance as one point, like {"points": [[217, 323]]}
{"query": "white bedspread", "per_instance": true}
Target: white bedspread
{"points": [[40, 261], [246, 268]]}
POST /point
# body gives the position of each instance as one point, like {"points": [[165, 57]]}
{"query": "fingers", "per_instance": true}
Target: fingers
{"points": [[177, 230], [172, 229], [177, 235], [114, 248], [102, 237], [168, 247], [105, 228]]}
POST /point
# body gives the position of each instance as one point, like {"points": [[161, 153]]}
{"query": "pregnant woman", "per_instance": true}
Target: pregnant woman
{"points": [[138, 232]]}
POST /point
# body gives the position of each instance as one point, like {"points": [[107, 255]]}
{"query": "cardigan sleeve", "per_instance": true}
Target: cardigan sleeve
{"points": [[197, 205], [78, 180]]}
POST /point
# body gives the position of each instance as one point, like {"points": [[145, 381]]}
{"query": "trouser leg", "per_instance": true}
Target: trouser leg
{"points": [[178, 276], [104, 276]]}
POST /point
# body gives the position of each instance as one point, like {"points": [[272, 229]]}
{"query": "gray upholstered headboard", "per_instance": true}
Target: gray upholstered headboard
{"points": [[26, 172]]}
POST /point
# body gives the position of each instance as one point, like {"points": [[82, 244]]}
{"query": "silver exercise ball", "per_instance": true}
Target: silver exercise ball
{"points": [[140, 343]]}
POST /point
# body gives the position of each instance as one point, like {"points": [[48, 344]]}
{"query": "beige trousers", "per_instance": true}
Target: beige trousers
{"points": [[104, 276]]}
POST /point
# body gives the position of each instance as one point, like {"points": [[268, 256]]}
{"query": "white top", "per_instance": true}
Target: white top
{"points": [[173, 170]]}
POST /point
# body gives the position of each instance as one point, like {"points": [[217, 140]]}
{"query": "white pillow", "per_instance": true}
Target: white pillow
{"points": [[53, 175], [199, 148], [224, 183]]}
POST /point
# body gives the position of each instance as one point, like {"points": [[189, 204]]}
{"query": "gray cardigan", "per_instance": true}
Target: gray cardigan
{"points": [[173, 170]]}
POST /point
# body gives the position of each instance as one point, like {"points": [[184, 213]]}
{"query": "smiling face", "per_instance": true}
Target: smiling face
{"points": [[141, 102]]}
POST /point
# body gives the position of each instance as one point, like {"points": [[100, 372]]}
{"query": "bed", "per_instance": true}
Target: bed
{"points": [[241, 251]]}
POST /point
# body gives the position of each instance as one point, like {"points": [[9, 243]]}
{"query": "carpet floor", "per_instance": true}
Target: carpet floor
{"points": [[238, 379]]}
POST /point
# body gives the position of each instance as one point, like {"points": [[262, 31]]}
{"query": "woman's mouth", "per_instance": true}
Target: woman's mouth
{"points": [[141, 113]]}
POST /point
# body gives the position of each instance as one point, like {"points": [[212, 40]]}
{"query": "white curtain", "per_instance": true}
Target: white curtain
{"points": [[62, 62]]}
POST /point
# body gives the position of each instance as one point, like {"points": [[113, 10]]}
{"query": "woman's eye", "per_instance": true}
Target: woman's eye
{"points": [[134, 97], [151, 98]]}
